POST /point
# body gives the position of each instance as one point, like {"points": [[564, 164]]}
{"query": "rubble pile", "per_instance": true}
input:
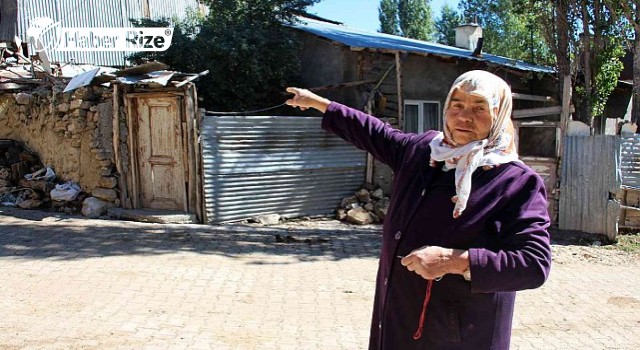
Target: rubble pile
{"points": [[25, 183], [369, 205], [16, 161]]}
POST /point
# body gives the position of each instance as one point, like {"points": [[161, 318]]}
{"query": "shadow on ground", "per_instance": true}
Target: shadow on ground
{"points": [[568, 237], [44, 235]]}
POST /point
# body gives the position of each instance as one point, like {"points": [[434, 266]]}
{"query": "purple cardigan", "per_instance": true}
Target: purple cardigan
{"points": [[504, 228]]}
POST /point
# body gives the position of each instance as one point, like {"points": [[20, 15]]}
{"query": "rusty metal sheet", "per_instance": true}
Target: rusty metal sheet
{"points": [[590, 174], [289, 166]]}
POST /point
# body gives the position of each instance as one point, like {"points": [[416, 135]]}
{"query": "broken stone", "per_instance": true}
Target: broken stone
{"points": [[23, 98], [93, 207], [268, 219], [63, 107], [346, 201], [75, 104], [104, 194], [30, 204], [369, 206], [103, 156], [359, 216], [79, 113], [377, 194], [381, 208], [106, 171], [86, 105], [353, 206], [363, 195], [341, 214], [108, 182], [105, 162]]}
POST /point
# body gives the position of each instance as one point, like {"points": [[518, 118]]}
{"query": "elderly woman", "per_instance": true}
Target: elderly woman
{"points": [[467, 223]]}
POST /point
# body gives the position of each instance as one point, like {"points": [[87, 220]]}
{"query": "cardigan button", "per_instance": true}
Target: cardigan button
{"points": [[398, 235], [386, 280]]}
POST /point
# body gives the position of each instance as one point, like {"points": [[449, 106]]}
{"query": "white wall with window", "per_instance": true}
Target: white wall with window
{"points": [[421, 116]]}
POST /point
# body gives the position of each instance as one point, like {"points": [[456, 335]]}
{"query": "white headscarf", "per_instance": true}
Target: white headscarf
{"points": [[497, 148]]}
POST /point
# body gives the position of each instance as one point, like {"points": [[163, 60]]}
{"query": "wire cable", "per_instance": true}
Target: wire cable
{"points": [[247, 112]]}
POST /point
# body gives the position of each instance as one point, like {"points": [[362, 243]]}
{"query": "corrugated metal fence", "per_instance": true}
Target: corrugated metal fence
{"points": [[590, 173], [630, 161], [257, 165], [97, 13]]}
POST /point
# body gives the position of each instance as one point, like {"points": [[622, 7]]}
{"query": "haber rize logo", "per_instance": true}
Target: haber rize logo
{"points": [[49, 35]]}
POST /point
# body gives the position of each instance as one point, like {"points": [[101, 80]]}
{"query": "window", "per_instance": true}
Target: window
{"points": [[421, 116], [537, 141]]}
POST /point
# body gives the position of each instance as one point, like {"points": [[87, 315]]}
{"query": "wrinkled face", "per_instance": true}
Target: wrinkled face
{"points": [[468, 117]]}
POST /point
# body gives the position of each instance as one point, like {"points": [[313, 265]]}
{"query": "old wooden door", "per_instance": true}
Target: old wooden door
{"points": [[159, 152]]}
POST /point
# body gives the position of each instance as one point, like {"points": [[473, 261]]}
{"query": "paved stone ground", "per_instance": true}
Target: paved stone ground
{"points": [[68, 283]]}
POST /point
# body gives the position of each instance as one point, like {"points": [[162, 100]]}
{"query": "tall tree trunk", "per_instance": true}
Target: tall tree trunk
{"points": [[562, 28], [584, 114], [561, 45], [635, 107]]}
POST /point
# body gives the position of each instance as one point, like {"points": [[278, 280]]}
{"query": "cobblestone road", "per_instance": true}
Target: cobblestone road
{"points": [[93, 284]]}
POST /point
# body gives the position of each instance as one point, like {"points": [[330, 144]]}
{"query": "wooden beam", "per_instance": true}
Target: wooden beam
{"points": [[536, 112], [519, 96], [370, 160], [566, 112], [116, 145], [538, 123], [399, 92], [133, 147], [629, 208]]}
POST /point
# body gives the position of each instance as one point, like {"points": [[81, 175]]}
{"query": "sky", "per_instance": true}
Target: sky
{"points": [[363, 14]]}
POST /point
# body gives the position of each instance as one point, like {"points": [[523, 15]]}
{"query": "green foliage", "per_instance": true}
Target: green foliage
{"points": [[388, 16], [608, 66], [446, 25], [603, 46], [510, 29], [408, 18], [415, 19], [251, 56]]}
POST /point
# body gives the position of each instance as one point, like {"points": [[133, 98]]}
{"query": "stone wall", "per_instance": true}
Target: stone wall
{"points": [[71, 133]]}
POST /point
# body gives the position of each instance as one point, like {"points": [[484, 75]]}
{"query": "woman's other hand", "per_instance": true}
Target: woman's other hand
{"points": [[431, 262], [303, 99]]}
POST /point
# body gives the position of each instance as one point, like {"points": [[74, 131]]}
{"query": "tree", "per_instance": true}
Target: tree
{"points": [[630, 10], [586, 39], [509, 28], [388, 16], [414, 17], [250, 55], [601, 53], [408, 18], [446, 25]]}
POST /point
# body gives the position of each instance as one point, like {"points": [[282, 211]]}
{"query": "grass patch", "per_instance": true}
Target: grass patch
{"points": [[629, 242]]}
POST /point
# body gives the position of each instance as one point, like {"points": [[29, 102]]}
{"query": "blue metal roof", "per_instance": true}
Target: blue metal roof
{"points": [[359, 38]]}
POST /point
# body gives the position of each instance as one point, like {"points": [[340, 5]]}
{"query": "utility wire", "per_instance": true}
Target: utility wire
{"points": [[247, 112]]}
